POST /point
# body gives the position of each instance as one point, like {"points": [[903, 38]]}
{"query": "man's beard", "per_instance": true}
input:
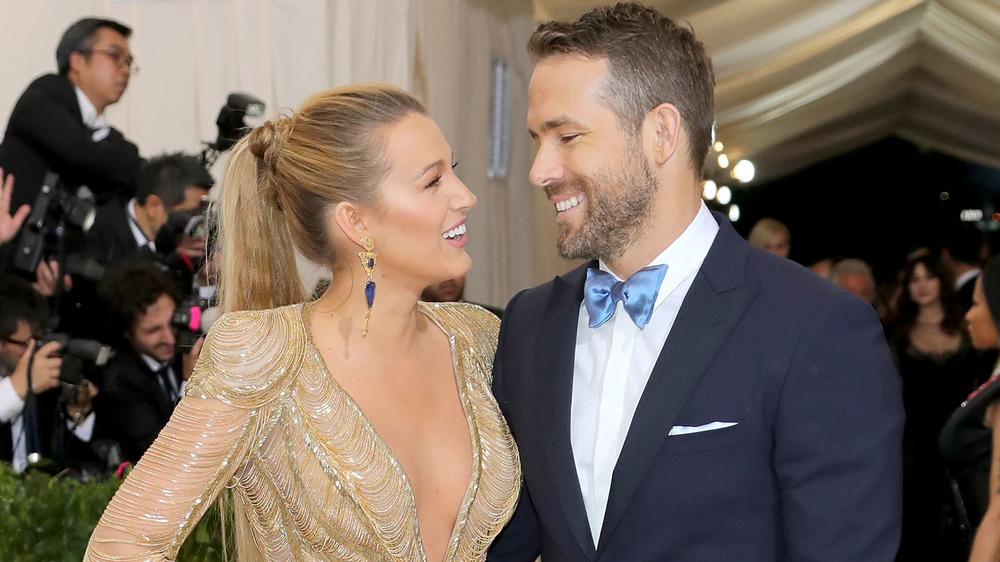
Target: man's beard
{"points": [[618, 202]]}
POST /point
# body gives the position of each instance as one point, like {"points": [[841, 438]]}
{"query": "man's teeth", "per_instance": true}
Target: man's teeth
{"points": [[568, 204], [455, 232]]}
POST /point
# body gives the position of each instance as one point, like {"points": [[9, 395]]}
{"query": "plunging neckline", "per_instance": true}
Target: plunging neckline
{"points": [[410, 502]]}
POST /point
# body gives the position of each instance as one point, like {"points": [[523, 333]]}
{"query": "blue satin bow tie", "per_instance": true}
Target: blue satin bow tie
{"points": [[637, 293]]}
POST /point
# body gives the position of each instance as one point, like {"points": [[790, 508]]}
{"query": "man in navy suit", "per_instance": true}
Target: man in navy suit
{"points": [[683, 396]]}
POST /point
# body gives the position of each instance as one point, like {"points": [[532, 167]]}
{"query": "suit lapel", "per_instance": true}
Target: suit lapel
{"points": [[714, 303], [555, 372]]}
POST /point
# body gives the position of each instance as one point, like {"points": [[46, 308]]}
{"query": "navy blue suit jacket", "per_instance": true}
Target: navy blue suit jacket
{"points": [[812, 470]]}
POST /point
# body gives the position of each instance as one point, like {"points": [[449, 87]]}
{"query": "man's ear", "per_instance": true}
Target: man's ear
{"points": [[350, 220], [77, 60], [662, 130]]}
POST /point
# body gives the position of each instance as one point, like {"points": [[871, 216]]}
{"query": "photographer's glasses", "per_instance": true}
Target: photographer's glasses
{"points": [[119, 58]]}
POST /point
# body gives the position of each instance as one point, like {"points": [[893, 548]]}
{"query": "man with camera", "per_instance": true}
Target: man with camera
{"points": [[145, 380], [172, 185], [58, 429], [58, 124]]}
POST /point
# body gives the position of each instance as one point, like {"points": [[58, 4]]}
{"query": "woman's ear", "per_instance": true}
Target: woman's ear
{"points": [[348, 218]]}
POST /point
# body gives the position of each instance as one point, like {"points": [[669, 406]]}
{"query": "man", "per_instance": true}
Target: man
{"points": [[166, 184], [962, 253], [58, 123], [753, 413], [22, 313], [143, 383], [771, 235]]}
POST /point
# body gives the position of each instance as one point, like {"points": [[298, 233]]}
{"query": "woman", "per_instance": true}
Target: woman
{"points": [[937, 366], [357, 427], [973, 431]]}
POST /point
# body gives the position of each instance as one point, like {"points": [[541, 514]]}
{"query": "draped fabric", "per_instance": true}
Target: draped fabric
{"points": [[800, 81]]}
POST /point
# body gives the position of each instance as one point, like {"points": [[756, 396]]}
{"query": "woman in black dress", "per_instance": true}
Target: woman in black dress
{"points": [[970, 440]]}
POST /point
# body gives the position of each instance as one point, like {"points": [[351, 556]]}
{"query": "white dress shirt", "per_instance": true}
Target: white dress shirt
{"points": [[613, 362], [11, 408], [98, 123]]}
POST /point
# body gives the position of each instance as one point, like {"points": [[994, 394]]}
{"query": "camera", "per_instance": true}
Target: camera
{"points": [[231, 124], [192, 318], [77, 356], [58, 219]]}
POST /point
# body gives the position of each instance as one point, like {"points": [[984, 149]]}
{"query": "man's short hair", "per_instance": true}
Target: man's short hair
{"points": [[964, 243], [651, 60], [81, 36], [168, 176], [130, 287], [20, 301], [852, 265]]}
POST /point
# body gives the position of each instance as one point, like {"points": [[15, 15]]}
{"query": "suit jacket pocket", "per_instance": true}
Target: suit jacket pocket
{"points": [[701, 441]]}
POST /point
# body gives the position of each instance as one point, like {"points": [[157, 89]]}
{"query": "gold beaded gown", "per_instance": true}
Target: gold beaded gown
{"points": [[310, 477]]}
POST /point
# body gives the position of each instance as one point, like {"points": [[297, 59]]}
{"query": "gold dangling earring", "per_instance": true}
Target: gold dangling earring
{"points": [[368, 258]]}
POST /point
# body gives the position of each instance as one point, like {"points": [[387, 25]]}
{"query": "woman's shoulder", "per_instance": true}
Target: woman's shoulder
{"points": [[248, 354], [464, 317]]}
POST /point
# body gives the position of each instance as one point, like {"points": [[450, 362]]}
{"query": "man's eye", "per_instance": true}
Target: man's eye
{"points": [[567, 138]]}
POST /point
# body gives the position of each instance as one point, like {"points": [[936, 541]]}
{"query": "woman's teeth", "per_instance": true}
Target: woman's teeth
{"points": [[455, 232]]}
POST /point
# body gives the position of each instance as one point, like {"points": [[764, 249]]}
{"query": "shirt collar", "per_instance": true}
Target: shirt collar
{"points": [[98, 124], [152, 363], [972, 273], [685, 254], [133, 224]]}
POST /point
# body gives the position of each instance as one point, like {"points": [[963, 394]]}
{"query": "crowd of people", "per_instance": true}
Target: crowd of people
{"points": [[685, 394], [924, 310]]}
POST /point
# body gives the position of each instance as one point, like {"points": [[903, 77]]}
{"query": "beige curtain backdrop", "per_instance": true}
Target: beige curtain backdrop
{"points": [[192, 53]]}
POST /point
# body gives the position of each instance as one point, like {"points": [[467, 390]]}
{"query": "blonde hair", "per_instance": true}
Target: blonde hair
{"points": [[284, 177]]}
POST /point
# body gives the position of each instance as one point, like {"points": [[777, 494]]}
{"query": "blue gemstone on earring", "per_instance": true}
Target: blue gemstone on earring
{"points": [[370, 292], [371, 263]]}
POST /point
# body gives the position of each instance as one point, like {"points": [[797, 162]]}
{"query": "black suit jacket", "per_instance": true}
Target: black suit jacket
{"points": [[131, 406], [55, 441], [46, 133], [110, 238], [811, 470]]}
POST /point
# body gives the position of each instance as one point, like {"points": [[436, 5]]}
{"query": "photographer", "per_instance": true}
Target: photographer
{"points": [[22, 313], [143, 383], [168, 184], [59, 123]]}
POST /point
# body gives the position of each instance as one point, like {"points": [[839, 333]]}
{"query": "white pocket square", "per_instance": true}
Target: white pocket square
{"points": [[685, 429]]}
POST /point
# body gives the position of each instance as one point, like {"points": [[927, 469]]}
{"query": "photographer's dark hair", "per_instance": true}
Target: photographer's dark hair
{"points": [[20, 301], [168, 176], [130, 286], [651, 60], [81, 36]]}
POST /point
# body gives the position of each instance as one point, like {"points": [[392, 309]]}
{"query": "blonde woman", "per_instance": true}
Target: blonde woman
{"points": [[357, 427]]}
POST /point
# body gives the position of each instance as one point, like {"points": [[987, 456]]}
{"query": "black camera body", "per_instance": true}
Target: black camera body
{"points": [[77, 355], [57, 216], [192, 317]]}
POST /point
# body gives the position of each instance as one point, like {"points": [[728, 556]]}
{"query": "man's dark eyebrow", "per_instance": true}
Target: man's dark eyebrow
{"points": [[553, 123]]}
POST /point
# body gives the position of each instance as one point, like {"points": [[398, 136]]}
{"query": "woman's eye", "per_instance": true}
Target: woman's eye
{"points": [[434, 182]]}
